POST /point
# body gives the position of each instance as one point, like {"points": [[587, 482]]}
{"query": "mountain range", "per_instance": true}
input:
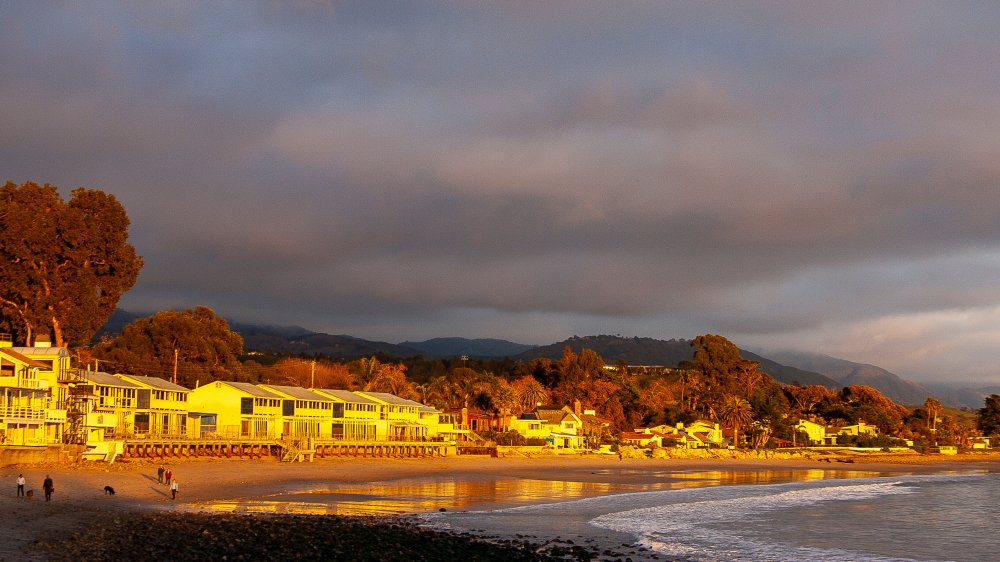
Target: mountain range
{"points": [[785, 367]]}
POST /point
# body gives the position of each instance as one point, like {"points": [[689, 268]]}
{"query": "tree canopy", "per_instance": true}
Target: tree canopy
{"points": [[63, 264], [206, 349], [989, 416]]}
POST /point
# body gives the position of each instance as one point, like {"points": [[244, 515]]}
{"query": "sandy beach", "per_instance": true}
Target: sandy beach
{"points": [[355, 487]]}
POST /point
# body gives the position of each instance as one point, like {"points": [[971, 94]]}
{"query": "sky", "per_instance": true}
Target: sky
{"points": [[818, 176]]}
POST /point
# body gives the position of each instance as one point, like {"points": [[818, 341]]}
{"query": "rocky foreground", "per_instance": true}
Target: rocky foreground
{"points": [[193, 536]]}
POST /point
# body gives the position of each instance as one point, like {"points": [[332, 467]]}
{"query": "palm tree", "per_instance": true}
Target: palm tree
{"points": [[735, 411], [933, 408], [530, 392]]}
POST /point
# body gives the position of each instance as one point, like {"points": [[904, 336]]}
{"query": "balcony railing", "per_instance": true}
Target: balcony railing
{"points": [[22, 413], [55, 416], [21, 382]]}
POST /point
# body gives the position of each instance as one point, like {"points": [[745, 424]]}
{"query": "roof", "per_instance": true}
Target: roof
{"points": [[347, 396], [552, 416], [419, 406], [251, 389], [298, 392], [594, 420], [60, 351], [703, 437], [104, 379], [22, 358], [156, 382], [392, 399], [637, 435]]}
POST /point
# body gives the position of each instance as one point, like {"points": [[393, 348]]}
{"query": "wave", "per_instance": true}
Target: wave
{"points": [[704, 528]]}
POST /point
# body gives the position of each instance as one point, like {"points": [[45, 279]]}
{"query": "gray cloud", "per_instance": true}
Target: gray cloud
{"points": [[821, 176]]}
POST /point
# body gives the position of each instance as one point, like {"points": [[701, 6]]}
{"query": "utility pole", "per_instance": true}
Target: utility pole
{"points": [[175, 365], [312, 375]]}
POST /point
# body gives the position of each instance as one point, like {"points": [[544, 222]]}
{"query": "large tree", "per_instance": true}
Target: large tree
{"points": [[989, 416], [718, 368], [63, 264], [198, 342]]}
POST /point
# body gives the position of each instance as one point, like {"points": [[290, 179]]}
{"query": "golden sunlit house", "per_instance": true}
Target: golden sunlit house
{"points": [[817, 433], [304, 413], [399, 418], [559, 427], [23, 412], [237, 410], [642, 439], [107, 407], [699, 434], [861, 428], [54, 374], [353, 417], [439, 426], [161, 408]]}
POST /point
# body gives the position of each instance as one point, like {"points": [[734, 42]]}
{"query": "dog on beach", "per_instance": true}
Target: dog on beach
{"points": [[29, 494], [109, 490]]}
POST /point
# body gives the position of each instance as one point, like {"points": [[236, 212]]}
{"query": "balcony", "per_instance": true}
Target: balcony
{"points": [[21, 382], [21, 414], [55, 416], [98, 419]]}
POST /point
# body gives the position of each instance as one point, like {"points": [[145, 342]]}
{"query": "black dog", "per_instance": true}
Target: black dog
{"points": [[109, 490]]}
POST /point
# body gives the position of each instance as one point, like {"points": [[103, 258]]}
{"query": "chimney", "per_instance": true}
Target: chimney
{"points": [[43, 340], [6, 340], [576, 407]]}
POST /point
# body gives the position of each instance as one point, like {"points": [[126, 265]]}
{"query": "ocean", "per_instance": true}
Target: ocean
{"points": [[940, 517]]}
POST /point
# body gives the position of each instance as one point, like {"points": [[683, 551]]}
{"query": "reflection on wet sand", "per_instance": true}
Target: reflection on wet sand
{"points": [[426, 495], [726, 477], [421, 496]]}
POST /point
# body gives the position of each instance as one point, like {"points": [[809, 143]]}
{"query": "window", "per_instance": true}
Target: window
{"points": [[142, 423], [246, 406], [338, 410], [288, 408]]}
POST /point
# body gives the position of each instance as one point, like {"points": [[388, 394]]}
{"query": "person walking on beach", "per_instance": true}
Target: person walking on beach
{"points": [[168, 475], [173, 489], [159, 474], [20, 485], [48, 486]]}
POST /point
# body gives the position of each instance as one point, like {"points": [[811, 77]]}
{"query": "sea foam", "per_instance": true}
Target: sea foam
{"points": [[706, 524]]}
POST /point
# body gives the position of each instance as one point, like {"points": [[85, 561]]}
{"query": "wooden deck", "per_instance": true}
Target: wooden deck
{"points": [[260, 449]]}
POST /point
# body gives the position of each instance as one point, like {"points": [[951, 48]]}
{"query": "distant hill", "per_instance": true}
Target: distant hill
{"points": [[476, 348], [291, 340], [848, 373], [335, 347], [115, 324], [633, 351], [288, 332], [787, 374], [785, 367], [962, 396], [668, 353]]}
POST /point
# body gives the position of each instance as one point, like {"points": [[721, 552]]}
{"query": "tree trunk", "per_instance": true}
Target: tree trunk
{"points": [[57, 333]]}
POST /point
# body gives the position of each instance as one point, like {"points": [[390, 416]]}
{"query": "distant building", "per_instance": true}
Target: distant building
{"points": [[560, 427]]}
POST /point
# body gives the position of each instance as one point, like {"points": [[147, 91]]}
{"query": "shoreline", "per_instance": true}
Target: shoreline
{"points": [[396, 487]]}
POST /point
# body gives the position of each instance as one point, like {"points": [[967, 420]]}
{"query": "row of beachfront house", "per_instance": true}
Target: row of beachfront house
{"points": [[45, 402]]}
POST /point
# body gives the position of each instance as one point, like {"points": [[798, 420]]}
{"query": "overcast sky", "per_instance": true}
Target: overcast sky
{"points": [[816, 176]]}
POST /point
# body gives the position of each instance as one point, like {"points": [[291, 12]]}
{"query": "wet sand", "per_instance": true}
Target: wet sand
{"points": [[394, 486]]}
